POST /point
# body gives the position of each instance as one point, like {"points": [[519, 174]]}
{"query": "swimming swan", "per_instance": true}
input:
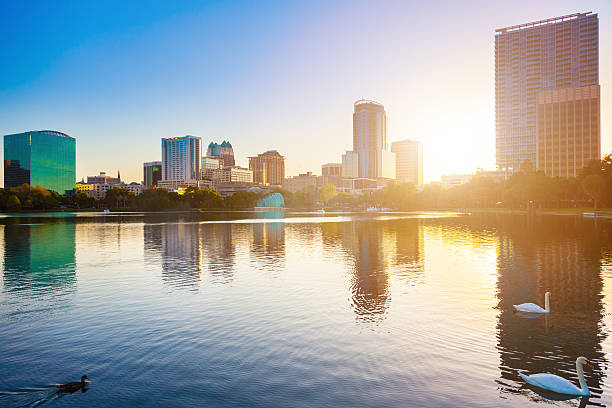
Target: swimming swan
{"points": [[533, 308], [560, 385]]}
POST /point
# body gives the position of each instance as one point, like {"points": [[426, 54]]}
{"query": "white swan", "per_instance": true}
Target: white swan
{"points": [[560, 385], [533, 308]]}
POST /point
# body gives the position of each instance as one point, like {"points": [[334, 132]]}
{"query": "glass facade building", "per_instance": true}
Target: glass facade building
{"points": [[152, 173], [43, 158], [531, 58]]}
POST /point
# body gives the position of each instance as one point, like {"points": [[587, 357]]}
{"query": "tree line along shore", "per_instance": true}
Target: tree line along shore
{"points": [[526, 189]]}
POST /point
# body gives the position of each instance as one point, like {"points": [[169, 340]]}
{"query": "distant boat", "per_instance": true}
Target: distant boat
{"points": [[106, 210], [320, 211], [589, 214], [376, 209]]}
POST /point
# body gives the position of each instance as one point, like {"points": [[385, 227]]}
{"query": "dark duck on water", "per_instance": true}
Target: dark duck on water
{"points": [[74, 386]]}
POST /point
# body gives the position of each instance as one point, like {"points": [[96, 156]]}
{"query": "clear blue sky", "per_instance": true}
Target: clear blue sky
{"points": [[120, 75]]}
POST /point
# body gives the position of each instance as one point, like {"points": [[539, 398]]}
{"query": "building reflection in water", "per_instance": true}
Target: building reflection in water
{"points": [[187, 250], [219, 252], [39, 262], [562, 256], [268, 245], [178, 245], [375, 250]]}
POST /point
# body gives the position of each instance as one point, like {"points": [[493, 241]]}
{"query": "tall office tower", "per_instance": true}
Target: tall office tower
{"points": [[537, 57], [268, 168], [370, 140], [408, 161], [181, 158], [568, 130], [224, 151], [152, 173], [43, 158]]}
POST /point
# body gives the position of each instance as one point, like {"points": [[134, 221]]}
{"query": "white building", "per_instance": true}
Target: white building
{"points": [[385, 164], [99, 190], [350, 164], [234, 174], [176, 185], [408, 161], [181, 158]]}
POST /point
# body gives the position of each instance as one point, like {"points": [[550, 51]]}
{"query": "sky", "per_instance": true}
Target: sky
{"points": [[118, 76]]}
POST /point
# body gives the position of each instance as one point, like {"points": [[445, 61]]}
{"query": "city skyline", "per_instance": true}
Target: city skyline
{"points": [[271, 106]]}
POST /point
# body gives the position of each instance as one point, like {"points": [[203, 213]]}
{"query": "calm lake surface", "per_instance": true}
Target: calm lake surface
{"points": [[383, 310]]}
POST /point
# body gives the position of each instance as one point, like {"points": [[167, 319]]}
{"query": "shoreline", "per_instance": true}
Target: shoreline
{"points": [[604, 213], [585, 212]]}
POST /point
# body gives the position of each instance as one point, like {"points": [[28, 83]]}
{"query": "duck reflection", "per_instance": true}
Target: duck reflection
{"points": [[375, 250], [562, 256]]}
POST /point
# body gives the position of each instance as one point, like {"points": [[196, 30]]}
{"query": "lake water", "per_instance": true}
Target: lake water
{"points": [[382, 310]]}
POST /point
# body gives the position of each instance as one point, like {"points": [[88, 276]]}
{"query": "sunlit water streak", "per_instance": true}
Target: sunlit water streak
{"points": [[245, 309]]}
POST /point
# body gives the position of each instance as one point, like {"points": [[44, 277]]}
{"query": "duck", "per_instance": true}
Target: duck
{"points": [[560, 385], [533, 308], [73, 386]]}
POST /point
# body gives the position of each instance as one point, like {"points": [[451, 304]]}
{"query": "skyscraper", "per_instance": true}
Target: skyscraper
{"points": [[43, 158], [568, 130], [408, 161], [370, 140], [544, 56], [268, 168], [152, 173], [224, 151], [181, 158]]}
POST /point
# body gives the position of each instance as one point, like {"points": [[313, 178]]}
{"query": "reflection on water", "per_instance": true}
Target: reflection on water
{"points": [[373, 251], [563, 258], [268, 245], [349, 310], [219, 249], [181, 254], [39, 272]]}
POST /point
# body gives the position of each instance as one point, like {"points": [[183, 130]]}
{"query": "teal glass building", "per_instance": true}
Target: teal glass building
{"points": [[43, 158]]}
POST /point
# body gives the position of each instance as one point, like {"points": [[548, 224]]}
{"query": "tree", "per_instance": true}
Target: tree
{"points": [[83, 200], [327, 192], [242, 199], [37, 197], [595, 187], [117, 197], [13, 203], [343, 199]]}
